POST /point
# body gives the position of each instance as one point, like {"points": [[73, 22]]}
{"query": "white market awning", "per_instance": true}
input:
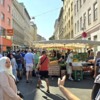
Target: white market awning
{"points": [[66, 43]]}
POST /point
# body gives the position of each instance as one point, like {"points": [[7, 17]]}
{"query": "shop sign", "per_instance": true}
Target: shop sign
{"points": [[84, 34], [10, 32]]}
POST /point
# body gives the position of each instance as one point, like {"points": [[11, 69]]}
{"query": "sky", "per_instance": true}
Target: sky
{"points": [[45, 13]]}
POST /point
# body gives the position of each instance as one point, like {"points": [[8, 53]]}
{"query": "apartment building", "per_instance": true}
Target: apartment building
{"points": [[33, 31], [24, 31], [5, 24], [18, 25], [68, 19], [86, 18], [60, 20], [56, 30]]}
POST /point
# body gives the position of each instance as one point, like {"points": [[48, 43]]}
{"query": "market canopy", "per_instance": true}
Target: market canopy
{"points": [[66, 43]]}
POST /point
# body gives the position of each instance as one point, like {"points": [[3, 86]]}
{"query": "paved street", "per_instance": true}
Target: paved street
{"points": [[82, 89]]}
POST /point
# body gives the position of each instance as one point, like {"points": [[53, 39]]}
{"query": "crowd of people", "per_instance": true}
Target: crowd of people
{"points": [[15, 64]]}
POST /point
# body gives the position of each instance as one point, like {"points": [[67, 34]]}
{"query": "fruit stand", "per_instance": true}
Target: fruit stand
{"points": [[79, 46]]}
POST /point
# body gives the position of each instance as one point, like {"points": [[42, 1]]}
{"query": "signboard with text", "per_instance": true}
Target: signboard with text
{"points": [[10, 32]]}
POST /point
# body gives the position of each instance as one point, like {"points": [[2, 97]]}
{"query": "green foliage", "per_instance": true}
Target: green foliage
{"points": [[81, 56], [52, 38]]}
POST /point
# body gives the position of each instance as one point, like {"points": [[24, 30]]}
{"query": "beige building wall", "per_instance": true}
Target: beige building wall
{"points": [[56, 30], [68, 19], [27, 34], [87, 19], [21, 24], [17, 24], [33, 31], [60, 19]]}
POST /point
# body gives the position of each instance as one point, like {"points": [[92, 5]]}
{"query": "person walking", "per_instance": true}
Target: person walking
{"points": [[69, 65], [19, 63], [29, 61], [14, 66], [43, 70], [8, 89]]}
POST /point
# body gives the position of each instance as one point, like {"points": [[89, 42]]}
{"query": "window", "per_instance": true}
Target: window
{"points": [[89, 38], [84, 20], [77, 26], [75, 9], [95, 11], [8, 21], [69, 11], [8, 9], [2, 16], [81, 23], [80, 3], [69, 23], [72, 34], [84, 1], [89, 16], [77, 5], [72, 6], [95, 38], [72, 20], [2, 2]]}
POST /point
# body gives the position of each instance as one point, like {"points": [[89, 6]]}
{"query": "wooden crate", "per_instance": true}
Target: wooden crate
{"points": [[54, 70]]}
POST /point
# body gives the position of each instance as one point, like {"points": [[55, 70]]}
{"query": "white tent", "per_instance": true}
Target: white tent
{"points": [[66, 43]]}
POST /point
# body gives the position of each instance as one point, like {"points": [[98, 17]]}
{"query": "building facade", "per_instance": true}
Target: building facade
{"points": [[60, 19], [5, 24], [23, 30], [56, 30], [33, 31], [68, 19], [40, 38], [87, 19], [18, 25]]}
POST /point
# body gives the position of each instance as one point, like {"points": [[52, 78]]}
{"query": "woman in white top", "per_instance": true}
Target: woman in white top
{"points": [[69, 66], [8, 89]]}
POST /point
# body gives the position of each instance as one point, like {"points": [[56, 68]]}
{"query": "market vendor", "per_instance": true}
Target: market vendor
{"points": [[69, 66]]}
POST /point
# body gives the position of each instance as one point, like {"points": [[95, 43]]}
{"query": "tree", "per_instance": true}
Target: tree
{"points": [[52, 37]]}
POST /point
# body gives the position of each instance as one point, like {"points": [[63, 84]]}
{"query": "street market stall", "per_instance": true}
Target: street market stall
{"points": [[79, 46]]}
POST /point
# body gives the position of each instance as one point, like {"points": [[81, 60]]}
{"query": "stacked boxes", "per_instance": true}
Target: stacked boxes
{"points": [[54, 69], [78, 73]]}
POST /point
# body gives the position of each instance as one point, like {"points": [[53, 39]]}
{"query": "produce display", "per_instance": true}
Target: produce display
{"points": [[52, 59], [53, 63], [80, 57]]}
